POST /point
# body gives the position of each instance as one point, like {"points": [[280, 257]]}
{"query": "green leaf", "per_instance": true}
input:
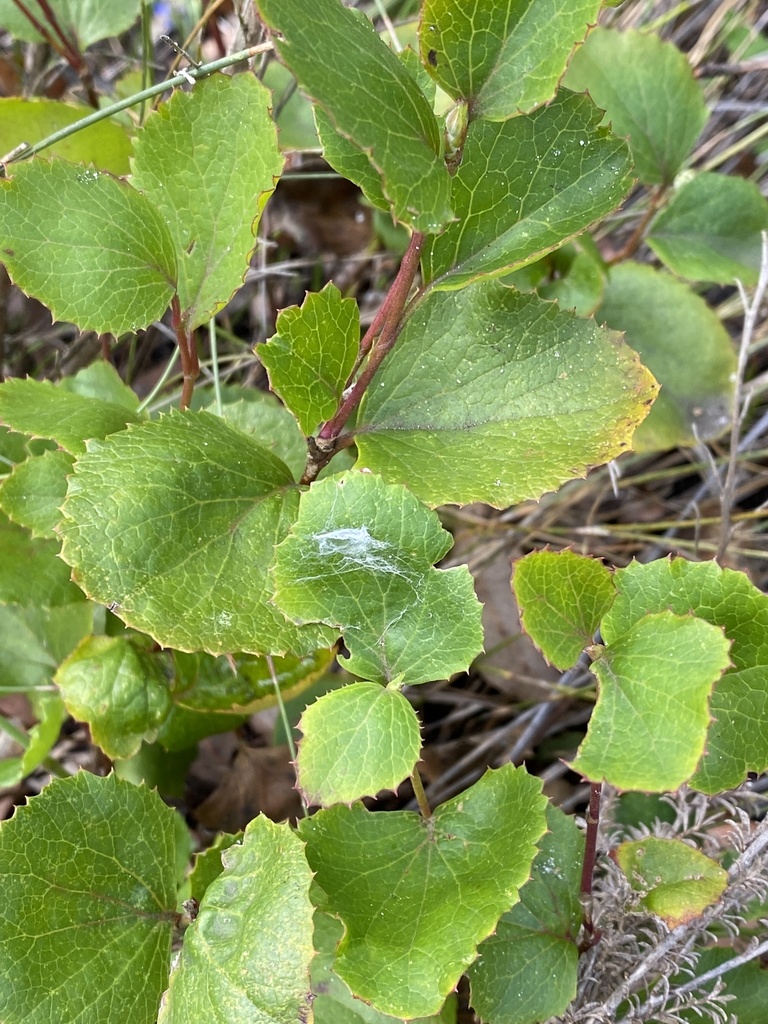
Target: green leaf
{"points": [[101, 380], [296, 126], [518, 394], [86, 20], [50, 713], [334, 1003], [105, 145], [525, 186], [357, 741], [32, 494], [207, 160], [505, 58], [262, 417], [202, 585], [33, 640], [242, 685], [311, 356], [648, 92], [686, 347], [246, 957], [207, 864], [677, 880], [526, 971], [31, 572], [576, 277], [341, 63], [562, 598], [416, 896], [88, 936], [711, 229], [360, 556], [86, 244], [118, 689], [650, 722], [352, 163], [737, 742], [44, 410]]}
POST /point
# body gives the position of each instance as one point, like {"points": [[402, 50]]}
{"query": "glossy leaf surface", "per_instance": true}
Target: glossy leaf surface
{"points": [[518, 394], [246, 957], [361, 557], [562, 597], [526, 971], [416, 896], [113, 904], [118, 689], [505, 57], [357, 740], [204, 584], [524, 187], [207, 160], [737, 742], [341, 63], [89, 246], [650, 722], [311, 356]]}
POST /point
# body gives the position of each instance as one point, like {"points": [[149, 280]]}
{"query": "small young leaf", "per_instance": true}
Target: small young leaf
{"points": [[683, 343], [118, 689], [97, 857], [207, 160], [31, 572], [361, 556], [246, 957], [525, 186], [505, 58], [312, 354], [711, 229], [650, 722], [202, 585], [45, 410], [341, 63], [737, 742], [87, 21], [526, 971], [357, 740], [33, 493], [566, 395], [562, 597], [90, 247], [648, 92], [105, 145], [416, 896], [677, 880]]}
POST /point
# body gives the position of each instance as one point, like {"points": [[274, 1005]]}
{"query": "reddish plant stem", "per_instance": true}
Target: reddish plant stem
{"points": [[190, 365], [388, 322], [637, 236], [56, 38], [590, 856]]}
